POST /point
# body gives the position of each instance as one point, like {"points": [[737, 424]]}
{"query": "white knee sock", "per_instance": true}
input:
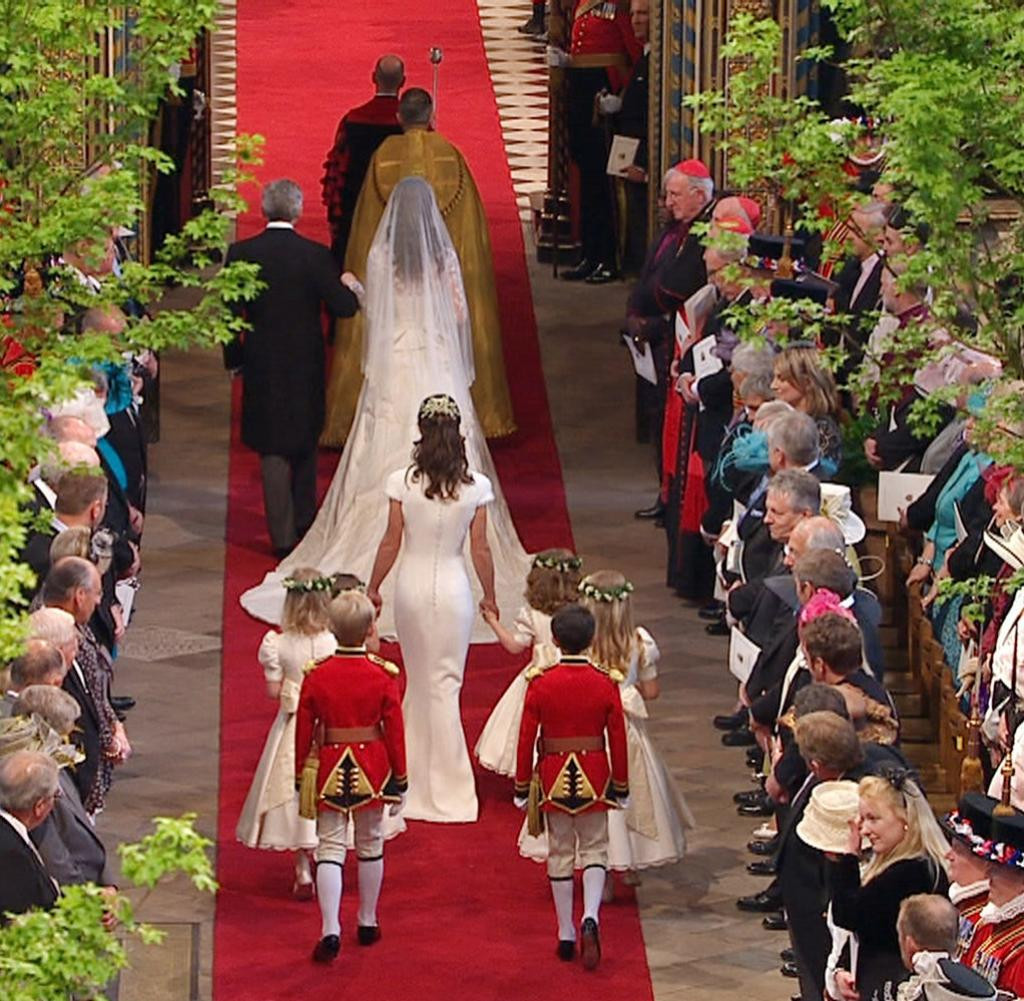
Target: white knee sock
{"points": [[371, 875], [328, 892], [593, 887], [562, 893]]}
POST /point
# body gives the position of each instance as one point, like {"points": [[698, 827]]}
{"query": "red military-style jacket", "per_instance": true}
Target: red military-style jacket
{"points": [[969, 909], [574, 702], [997, 953], [353, 691], [603, 36]]}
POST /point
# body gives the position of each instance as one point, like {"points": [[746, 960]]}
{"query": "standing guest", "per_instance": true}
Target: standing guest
{"points": [[907, 857], [355, 768], [860, 279], [28, 789], [601, 53], [270, 816], [967, 826], [359, 133], [281, 359], [575, 706], [67, 841], [41, 664], [926, 926], [673, 271], [551, 584]]}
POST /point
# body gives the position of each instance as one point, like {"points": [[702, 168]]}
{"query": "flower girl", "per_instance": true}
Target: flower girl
{"points": [[270, 817], [650, 831], [551, 583]]}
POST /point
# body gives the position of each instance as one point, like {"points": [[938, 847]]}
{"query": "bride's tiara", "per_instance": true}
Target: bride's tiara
{"points": [[440, 405]]}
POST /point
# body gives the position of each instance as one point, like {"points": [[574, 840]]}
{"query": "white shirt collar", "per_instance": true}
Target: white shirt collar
{"points": [[280, 224], [49, 494]]}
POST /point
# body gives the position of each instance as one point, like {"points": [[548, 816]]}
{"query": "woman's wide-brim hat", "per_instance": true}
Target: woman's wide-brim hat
{"points": [[825, 824], [1009, 549], [837, 505]]}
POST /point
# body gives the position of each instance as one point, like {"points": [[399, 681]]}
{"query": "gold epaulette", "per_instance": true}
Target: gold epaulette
{"points": [[310, 665], [536, 670], [611, 672], [386, 665]]}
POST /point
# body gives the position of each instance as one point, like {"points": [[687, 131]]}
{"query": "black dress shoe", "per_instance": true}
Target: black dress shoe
{"points": [[750, 796], [590, 944], [768, 846], [578, 273], [789, 970], [787, 956], [368, 934], [122, 703], [602, 275], [763, 902], [732, 721], [719, 628], [764, 809], [535, 26], [774, 922], [762, 867], [712, 611], [326, 950], [566, 950], [656, 510], [755, 758], [743, 737]]}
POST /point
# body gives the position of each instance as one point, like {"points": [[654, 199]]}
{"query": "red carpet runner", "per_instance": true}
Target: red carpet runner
{"points": [[463, 915]]}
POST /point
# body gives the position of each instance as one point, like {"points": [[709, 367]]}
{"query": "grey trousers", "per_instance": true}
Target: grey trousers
{"points": [[289, 496]]}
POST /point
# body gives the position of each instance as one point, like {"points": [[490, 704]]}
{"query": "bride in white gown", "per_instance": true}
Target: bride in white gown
{"points": [[417, 343]]}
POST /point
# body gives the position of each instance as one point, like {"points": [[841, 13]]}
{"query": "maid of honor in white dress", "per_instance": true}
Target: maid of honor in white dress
{"points": [[651, 830], [551, 583], [433, 506]]}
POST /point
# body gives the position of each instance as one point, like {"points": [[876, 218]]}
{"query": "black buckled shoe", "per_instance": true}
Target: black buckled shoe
{"points": [[774, 922], [655, 511], [566, 950], [766, 847], [763, 809], [755, 758], [578, 273], [762, 903], [732, 721], [368, 934], [711, 612], [750, 796], [327, 949], [762, 867], [590, 944], [602, 275], [787, 955], [743, 737], [789, 970]]}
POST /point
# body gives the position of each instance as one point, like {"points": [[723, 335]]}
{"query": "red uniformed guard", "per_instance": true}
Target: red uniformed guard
{"points": [[997, 945], [574, 704], [349, 722]]}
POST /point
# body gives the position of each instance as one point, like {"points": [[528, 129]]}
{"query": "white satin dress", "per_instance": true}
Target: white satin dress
{"points": [[434, 615]]}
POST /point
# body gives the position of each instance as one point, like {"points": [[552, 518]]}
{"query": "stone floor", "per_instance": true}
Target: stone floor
{"points": [[699, 945]]}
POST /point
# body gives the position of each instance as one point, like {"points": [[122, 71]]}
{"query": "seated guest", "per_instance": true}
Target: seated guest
{"points": [[40, 664], [907, 857], [926, 926], [67, 840], [806, 385], [28, 789]]}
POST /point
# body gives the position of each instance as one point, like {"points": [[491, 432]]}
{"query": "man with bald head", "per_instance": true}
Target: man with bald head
{"points": [[358, 135], [41, 664]]}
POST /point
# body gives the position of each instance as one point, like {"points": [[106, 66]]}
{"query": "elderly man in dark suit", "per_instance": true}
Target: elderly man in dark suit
{"points": [[281, 359], [28, 790]]}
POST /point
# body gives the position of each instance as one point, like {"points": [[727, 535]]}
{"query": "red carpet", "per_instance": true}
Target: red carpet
{"points": [[463, 915]]}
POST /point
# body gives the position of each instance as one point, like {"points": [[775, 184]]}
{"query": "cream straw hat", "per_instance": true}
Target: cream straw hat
{"points": [[825, 824]]}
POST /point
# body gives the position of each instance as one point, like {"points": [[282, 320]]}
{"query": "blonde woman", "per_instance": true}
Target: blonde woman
{"points": [[800, 379], [270, 817], [907, 856], [650, 831]]}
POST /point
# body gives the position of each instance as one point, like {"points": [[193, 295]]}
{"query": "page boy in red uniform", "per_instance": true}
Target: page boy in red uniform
{"points": [[574, 705], [349, 724]]}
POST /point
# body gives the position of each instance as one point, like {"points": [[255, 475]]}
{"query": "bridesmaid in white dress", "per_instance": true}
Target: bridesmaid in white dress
{"points": [[270, 817], [434, 504]]}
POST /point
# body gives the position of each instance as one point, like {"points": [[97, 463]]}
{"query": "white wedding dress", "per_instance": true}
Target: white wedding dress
{"points": [[417, 344]]}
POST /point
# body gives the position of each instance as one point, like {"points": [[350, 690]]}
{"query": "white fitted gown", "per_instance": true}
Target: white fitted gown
{"points": [[434, 614]]}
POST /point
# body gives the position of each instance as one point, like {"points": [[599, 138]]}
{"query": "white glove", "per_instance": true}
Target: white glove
{"points": [[519, 802], [624, 803], [609, 104], [396, 808], [557, 58]]}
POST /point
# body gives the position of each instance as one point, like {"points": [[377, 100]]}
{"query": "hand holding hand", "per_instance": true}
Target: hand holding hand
{"points": [[489, 609], [374, 595], [352, 283]]}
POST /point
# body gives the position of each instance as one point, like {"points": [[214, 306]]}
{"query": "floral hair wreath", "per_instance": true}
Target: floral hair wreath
{"points": [[563, 564], [308, 586], [439, 405], [608, 594]]}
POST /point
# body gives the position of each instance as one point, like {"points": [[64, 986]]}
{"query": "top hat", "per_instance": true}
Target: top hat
{"points": [[825, 824]]}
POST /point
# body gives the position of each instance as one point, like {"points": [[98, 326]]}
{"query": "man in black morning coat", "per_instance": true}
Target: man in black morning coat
{"points": [[281, 359]]}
